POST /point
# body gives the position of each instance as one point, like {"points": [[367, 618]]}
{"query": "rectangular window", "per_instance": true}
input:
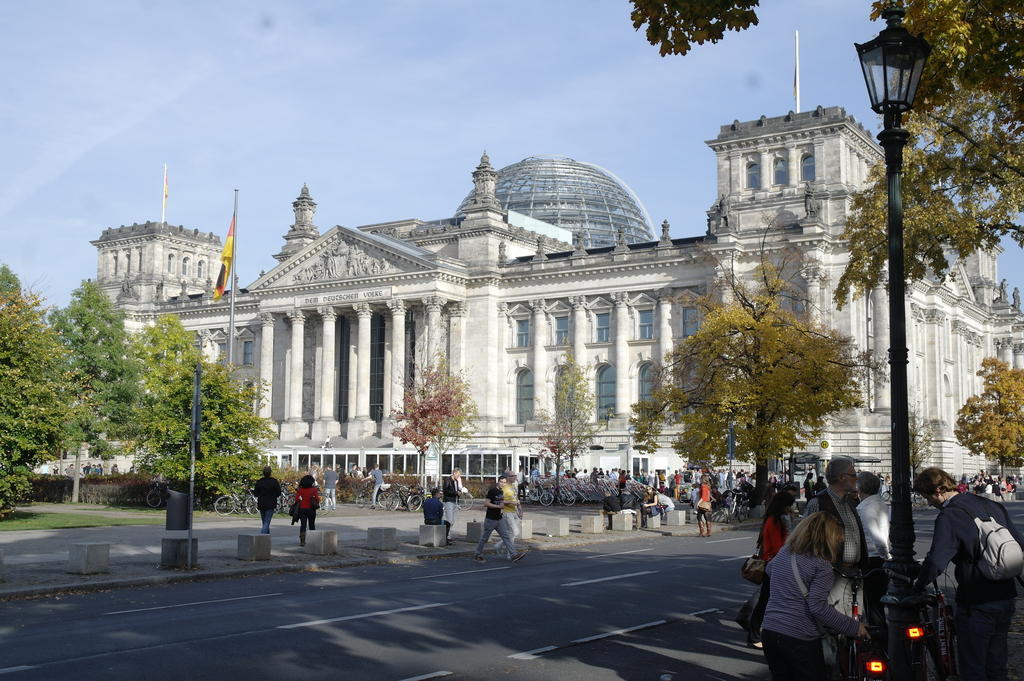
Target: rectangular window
{"points": [[223, 350], [561, 330], [646, 324], [603, 327], [522, 333], [247, 347], [691, 321]]}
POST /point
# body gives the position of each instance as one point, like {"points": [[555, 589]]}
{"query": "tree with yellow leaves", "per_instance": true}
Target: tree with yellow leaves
{"points": [[761, 362], [991, 424]]}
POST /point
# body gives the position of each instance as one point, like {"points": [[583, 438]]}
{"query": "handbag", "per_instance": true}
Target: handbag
{"points": [[752, 569], [314, 502]]}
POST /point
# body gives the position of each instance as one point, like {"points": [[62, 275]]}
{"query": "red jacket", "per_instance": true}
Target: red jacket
{"points": [[773, 536], [305, 496]]}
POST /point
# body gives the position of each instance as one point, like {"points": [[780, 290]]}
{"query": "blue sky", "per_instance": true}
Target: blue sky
{"points": [[382, 107]]}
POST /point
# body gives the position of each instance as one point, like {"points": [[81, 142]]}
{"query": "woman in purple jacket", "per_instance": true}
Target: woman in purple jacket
{"points": [[798, 611]]}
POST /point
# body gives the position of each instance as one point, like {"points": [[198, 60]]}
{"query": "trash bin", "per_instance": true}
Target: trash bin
{"points": [[177, 511]]}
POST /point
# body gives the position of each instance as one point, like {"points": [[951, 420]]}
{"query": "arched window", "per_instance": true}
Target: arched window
{"points": [[140, 260], [185, 263], [807, 169], [200, 269], [170, 263], [781, 168], [646, 376], [605, 392], [127, 262], [524, 396], [753, 176]]}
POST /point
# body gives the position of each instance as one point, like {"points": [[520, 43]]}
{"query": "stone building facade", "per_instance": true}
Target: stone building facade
{"points": [[340, 324]]}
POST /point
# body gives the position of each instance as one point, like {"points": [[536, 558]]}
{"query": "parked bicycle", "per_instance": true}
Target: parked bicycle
{"points": [[236, 502], [401, 496], [931, 645], [865, 660], [157, 495]]}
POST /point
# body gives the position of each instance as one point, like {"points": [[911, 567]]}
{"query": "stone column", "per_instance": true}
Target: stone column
{"points": [[540, 356], [456, 334], [794, 166], [880, 326], [1018, 355], [397, 308], [765, 159], [665, 340], [1005, 346], [623, 400], [267, 363], [579, 329], [433, 306], [294, 427], [327, 421], [360, 424]]}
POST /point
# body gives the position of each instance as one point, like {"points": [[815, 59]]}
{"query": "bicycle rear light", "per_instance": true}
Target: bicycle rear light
{"points": [[875, 666], [915, 632]]}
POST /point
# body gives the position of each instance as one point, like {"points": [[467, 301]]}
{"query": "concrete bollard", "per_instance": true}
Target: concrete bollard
{"points": [[526, 527], [322, 542], [253, 547], [383, 538], [592, 524], [474, 530], [675, 518], [88, 558], [174, 552], [654, 522], [558, 527], [432, 535], [622, 522]]}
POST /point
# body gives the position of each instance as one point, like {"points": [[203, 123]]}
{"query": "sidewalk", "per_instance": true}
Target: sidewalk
{"points": [[35, 561]]}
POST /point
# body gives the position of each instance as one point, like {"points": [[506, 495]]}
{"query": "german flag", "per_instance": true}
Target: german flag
{"points": [[225, 261]]}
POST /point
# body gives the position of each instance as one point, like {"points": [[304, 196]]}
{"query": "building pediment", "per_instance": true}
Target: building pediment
{"points": [[344, 255]]}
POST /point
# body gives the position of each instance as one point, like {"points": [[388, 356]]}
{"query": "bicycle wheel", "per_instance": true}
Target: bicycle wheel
{"points": [[362, 499], [415, 502], [925, 661], [546, 497], [249, 505], [155, 498], [567, 498], [389, 501], [224, 505], [465, 501]]}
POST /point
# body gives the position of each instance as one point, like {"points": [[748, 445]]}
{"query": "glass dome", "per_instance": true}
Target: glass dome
{"points": [[577, 196]]}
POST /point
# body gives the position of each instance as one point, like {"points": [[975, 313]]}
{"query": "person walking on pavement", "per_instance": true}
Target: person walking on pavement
{"points": [[267, 491], [494, 503], [451, 490], [377, 475], [330, 487], [308, 500], [984, 607], [512, 513]]}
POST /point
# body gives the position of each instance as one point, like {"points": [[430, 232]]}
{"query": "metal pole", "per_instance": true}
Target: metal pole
{"points": [[233, 283], [194, 449], [903, 566]]}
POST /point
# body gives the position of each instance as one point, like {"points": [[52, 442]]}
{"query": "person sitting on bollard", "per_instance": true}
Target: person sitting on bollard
{"points": [[611, 506], [433, 509]]}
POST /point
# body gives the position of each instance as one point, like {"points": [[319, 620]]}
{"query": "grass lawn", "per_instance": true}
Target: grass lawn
{"points": [[27, 520]]}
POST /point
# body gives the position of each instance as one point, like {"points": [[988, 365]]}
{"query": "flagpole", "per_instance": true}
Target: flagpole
{"points": [[163, 202], [796, 72], [233, 282]]}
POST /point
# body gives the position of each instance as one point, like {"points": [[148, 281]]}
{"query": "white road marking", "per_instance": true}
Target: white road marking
{"points": [[703, 612], [620, 553], [361, 616], [424, 677], [719, 541], [608, 579], [722, 560], [596, 637], [8, 670], [463, 572], [532, 654], [185, 605]]}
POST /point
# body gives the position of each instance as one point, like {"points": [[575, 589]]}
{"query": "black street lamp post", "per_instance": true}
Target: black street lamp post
{"points": [[892, 65]]}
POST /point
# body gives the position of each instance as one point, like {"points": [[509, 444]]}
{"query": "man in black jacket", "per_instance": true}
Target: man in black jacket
{"points": [[984, 607], [266, 491]]}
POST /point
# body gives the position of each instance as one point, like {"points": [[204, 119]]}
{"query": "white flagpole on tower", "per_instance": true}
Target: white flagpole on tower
{"points": [[163, 203], [796, 72]]}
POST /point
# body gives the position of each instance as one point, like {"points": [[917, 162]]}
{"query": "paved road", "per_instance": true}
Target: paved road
{"points": [[636, 609]]}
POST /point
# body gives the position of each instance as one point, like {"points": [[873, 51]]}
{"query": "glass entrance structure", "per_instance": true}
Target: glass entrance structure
{"points": [[578, 196]]}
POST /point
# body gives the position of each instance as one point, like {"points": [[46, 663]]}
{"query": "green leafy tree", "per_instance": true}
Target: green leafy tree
{"points": [[568, 431], [920, 441], [760, 362], [437, 410], [33, 394], [991, 424], [104, 372], [232, 434]]}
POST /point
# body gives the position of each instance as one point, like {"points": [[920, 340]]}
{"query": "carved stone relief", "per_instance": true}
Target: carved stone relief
{"points": [[340, 260]]}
